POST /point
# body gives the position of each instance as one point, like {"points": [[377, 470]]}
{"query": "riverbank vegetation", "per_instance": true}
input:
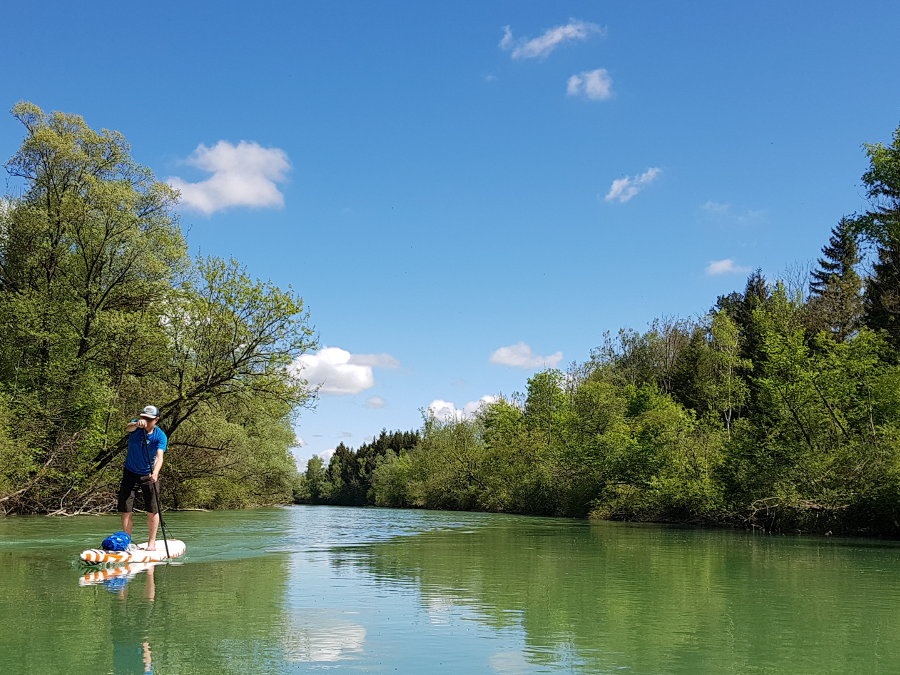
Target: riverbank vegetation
{"points": [[779, 408], [102, 311]]}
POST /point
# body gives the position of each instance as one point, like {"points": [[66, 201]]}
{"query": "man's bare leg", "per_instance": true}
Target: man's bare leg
{"points": [[152, 526], [127, 522]]}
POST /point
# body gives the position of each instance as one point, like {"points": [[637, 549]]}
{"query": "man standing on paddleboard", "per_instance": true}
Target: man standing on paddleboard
{"points": [[146, 444]]}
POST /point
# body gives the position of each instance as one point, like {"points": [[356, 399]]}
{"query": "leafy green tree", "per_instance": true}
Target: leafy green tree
{"points": [[882, 225], [520, 475], [101, 310], [456, 448], [546, 407], [230, 337], [629, 357], [720, 367], [740, 306], [88, 247], [882, 181], [390, 480], [315, 478]]}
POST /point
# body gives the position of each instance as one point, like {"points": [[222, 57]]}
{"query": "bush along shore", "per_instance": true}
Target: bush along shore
{"points": [[778, 409]]}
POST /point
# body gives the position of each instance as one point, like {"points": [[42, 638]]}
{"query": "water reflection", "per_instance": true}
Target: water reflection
{"points": [[600, 598], [130, 620], [294, 590], [116, 578], [319, 636], [196, 617]]}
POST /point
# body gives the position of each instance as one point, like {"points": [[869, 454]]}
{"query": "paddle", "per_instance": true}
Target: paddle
{"points": [[162, 523]]}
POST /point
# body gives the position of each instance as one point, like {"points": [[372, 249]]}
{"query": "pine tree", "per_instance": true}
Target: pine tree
{"points": [[882, 297], [740, 308], [836, 302]]}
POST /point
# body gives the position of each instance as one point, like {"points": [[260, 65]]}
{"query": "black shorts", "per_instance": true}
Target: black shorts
{"points": [[131, 483]]}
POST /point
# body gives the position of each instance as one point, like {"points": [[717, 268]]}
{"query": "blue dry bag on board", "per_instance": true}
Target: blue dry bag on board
{"points": [[116, 542]]}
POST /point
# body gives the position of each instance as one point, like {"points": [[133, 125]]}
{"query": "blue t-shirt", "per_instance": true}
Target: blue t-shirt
{"points": [[136, 461]]}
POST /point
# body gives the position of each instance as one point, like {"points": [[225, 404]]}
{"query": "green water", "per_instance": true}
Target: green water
{"points": [[368, 590]]}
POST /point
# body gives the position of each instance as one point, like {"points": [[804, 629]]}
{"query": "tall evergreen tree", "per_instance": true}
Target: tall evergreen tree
{"points": [[740, 308], [836, 302], [882, 297]]}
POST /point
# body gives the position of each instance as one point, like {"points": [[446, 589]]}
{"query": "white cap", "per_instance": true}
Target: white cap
{"points": [[150, 411]]}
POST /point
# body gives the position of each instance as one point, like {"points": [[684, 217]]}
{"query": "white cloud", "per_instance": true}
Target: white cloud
{"points": [[593, 84], [520, 355], [376, 402], [543, 45], [443, 410], [446, 411], [623, 189], [716, 208], [726, 266], [337, 372], [326, 455], [725, 212], [245, 174]]}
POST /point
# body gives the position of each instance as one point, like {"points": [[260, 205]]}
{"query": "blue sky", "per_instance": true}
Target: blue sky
{"points": [[465, 192]]}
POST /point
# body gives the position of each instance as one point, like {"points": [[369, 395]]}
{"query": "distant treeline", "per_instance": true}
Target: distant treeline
{"points": [[778, 409], [102, 312]]}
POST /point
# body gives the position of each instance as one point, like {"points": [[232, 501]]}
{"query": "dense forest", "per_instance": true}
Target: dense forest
{"points": [[777, 409], [102, 311]]}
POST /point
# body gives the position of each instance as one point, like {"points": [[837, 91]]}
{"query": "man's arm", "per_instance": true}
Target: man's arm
{"points": [[135, 424], [157, 465]]}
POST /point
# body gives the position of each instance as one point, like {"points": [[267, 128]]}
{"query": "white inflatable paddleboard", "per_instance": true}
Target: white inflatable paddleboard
{"points": [[141, 555]]}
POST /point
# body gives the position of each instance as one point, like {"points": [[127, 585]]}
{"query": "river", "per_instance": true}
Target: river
{"points": [[307, 588]]}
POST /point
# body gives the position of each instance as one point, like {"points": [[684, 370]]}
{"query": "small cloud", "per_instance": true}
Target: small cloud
{"points": [[506, 42], [593, 84], [442, 410], [337, 372], [715, 208], [544, 45], [726, 266], [326, 455], [446, 411], [490, 78], [376, 402], [520, 355], [299, 442], [623, 189], [245, 174], [725, 212]]}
